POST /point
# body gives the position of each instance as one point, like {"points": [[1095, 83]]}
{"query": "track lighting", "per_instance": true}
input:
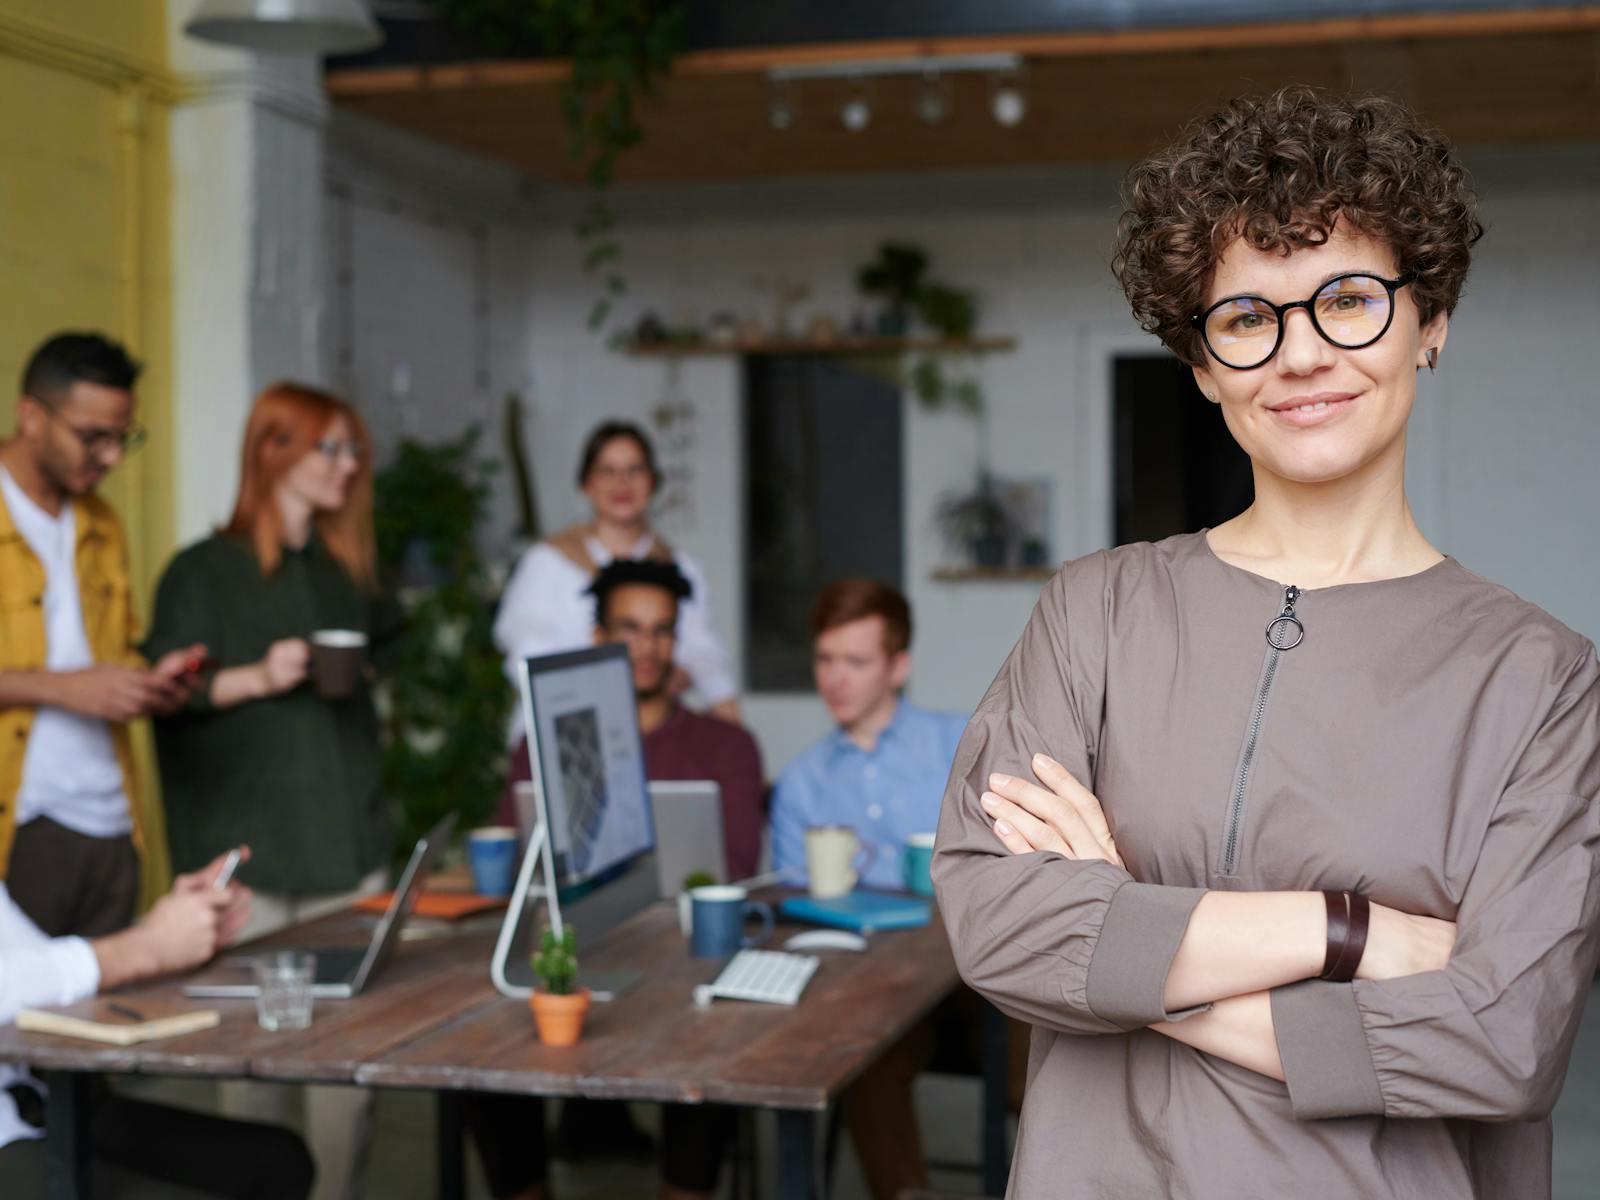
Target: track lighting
{"points": [[856, 113], [1007, 101], [780, 108], [933, 103]]}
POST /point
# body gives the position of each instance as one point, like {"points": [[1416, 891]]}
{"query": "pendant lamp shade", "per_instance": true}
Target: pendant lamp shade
{"points": [[287, 26]]}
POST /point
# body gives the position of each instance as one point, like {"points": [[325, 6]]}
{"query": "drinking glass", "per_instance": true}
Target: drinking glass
{"points": [[284, 980]]}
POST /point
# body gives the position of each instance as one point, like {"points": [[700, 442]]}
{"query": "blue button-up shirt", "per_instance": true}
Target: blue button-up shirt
{"points": [[885, 794]]}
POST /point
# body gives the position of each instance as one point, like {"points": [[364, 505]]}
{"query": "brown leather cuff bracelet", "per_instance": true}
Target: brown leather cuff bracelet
{"points": [[1348, 914]]}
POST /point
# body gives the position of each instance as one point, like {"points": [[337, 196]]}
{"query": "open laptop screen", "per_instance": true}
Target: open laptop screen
{"points": [[584, 747]]}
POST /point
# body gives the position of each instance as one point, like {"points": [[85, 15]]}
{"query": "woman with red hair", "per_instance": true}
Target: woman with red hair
{"points": [[259, 756]]}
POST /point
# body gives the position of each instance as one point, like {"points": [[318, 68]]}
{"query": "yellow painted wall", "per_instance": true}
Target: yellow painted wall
{"points": [[84, 241]]}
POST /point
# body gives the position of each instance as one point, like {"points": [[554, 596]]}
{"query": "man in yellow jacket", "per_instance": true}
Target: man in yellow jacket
{"points": [[70, 676]]}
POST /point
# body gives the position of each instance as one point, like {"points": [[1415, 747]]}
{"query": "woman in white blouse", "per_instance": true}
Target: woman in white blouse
{"points": [[546, 607]]}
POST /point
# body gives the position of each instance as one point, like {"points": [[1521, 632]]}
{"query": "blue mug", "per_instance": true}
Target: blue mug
{"points": [[492, 853], [717, 917], [918, 864]]}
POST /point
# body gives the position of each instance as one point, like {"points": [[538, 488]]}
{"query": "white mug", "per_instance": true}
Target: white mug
{"points": [[834, 860]]}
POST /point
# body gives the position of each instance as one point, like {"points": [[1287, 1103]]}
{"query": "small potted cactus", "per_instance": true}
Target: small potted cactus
{"points": [[558, 1003]]}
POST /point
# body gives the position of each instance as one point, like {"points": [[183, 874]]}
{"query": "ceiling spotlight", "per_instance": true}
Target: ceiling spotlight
{"points": [[1007, 101], [856, 113], [780, 109], [933, 102]]}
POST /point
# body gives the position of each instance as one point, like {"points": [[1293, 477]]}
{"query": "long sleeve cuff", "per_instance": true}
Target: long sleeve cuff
{"points": [[1327, 1063], [58, 971], [1139, 937]]}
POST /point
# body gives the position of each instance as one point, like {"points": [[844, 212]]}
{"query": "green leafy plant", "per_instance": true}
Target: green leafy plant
{"points": [[977, 523], [443, 699], [556, 961], [943, 377], [696, 879], [619, 51], [895, 275]]}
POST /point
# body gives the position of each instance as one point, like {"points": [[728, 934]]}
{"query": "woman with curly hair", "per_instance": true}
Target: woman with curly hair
{"points": [[1283, 834]]}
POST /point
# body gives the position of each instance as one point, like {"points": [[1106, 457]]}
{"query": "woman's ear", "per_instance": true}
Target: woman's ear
{"points": [[1206, 382], [1431, 339]]}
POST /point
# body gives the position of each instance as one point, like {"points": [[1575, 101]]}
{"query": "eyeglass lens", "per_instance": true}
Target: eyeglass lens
{"points": [[1352, 311], [333, 448], [104, 441]]}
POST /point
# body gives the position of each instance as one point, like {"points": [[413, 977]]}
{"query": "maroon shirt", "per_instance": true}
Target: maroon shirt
{"points": [[690, 745]]}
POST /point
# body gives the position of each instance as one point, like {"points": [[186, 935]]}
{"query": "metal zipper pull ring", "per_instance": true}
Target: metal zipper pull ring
{"points": [[1279, 628]]}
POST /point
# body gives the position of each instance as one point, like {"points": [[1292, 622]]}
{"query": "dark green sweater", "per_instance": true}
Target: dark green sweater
{"points": [[294, 776]]}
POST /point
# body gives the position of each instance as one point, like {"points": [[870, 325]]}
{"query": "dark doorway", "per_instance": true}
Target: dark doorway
{"points": [[823, 494], [1177, 467]]}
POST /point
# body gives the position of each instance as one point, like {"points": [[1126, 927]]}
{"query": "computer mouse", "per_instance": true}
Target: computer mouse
{"points": [[826, 939]]}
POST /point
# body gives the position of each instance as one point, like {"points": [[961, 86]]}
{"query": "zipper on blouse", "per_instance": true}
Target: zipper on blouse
{"points": [[1284, 632]]}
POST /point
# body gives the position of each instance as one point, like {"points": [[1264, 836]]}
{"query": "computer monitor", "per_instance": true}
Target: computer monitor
{"points": [[588, 761], [585, 816]]}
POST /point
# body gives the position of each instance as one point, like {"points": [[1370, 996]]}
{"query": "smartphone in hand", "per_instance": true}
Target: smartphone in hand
{"points": [[229, 866]]}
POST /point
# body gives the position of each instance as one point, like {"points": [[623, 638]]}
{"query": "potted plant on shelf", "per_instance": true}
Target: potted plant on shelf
{"points": [[978, 523], [558, 1003]]}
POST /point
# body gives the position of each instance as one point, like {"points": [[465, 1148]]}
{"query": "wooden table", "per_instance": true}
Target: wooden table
{"points": [[432, 1020]]}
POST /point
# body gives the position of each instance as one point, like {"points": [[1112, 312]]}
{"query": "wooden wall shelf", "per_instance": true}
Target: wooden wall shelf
{"points": [[844, 347], [994, 574]]}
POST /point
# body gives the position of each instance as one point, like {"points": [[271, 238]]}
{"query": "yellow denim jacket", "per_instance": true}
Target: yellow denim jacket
{"points": [[101, 561]]}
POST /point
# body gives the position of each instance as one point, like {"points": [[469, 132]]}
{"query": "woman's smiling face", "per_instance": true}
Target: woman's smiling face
{"points": [[1316, 412]]}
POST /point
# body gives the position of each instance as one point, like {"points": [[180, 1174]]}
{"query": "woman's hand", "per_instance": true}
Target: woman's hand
{"points": [[1402, 944], [1062, 816], [285, 665]]}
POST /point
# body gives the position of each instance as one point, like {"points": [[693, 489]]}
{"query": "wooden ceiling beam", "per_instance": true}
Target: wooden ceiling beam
{"points": [[513, 73]]}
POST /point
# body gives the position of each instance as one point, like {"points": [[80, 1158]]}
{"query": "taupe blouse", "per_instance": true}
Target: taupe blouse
{"points": [[1432, 741]]}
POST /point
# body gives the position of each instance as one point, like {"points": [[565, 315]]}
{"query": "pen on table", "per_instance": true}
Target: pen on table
{"points": [[122, 1010]]}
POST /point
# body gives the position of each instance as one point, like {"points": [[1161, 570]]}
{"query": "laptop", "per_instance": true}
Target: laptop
{"points": [[688, 817], [342, 971]]}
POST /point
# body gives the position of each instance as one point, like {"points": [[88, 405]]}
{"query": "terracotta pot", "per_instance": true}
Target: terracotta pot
{"points": [[559, 1018]]}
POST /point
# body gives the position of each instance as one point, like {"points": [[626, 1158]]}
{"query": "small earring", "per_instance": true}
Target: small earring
{"points": [[1433, 359]]}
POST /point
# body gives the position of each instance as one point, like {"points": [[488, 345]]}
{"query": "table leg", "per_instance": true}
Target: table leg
{"points": [[452, 1163], [996, 1072], [67, 1117], [797, 1154]]}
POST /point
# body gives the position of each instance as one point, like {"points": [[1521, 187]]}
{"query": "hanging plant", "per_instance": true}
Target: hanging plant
{"points": [[619, 51], [899, 277]]}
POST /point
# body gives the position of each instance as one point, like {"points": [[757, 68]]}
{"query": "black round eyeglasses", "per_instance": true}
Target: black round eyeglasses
{"points": [[1350, 311]]}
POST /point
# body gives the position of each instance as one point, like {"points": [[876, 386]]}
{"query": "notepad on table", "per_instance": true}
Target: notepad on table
{"points": [[97, 1021], [437, 905], [861, 911]]}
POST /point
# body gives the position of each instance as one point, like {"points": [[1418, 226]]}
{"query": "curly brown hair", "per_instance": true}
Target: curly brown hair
{"points": [[1278, 171]]}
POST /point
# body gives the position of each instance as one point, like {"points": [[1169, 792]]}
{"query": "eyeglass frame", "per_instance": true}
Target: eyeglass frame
{"points": [[333, 449], [1281, 312], [100, 441]]}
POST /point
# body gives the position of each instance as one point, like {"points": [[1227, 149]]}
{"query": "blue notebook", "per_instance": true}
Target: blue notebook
{"points": [[861, 911]]}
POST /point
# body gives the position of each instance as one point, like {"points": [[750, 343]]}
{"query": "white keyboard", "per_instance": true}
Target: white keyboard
{"points": [[770, 976]]}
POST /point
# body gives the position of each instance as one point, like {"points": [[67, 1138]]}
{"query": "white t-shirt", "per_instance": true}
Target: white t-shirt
{"points": [[545, 611], [35, 970], [70, 772]]}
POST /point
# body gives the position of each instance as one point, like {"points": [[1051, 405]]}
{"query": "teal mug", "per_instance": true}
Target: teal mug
{"points": [[918, 863]]}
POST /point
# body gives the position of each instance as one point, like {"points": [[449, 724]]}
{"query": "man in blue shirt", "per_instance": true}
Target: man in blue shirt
{"points": [[883, 773], [883, 770]]}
